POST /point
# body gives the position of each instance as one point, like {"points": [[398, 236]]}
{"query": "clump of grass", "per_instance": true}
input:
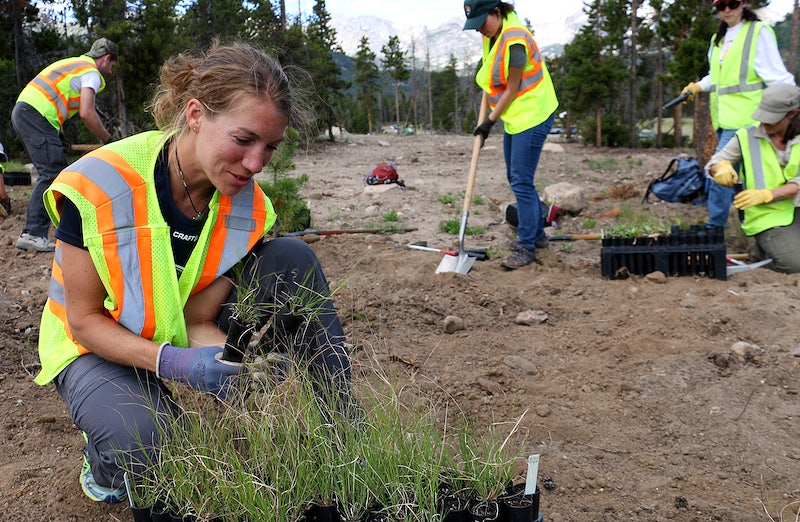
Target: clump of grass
{"points": [[446, 199], [607, 164], [391, 216], [277, 448], [453, 226], [589, 223]]}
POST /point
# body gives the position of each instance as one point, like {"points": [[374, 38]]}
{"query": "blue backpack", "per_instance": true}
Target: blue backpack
{"points": [[683, 184]]}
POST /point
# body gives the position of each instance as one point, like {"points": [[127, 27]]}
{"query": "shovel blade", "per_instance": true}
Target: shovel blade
{"points": [[460, 264], [741, 268]]}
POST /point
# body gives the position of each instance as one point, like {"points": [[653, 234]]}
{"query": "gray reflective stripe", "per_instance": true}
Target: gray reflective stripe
{"points": [[240, 225], [743, 66], [52, 92], [497, 69], [56, 290], [120, 197], [756, 162]]}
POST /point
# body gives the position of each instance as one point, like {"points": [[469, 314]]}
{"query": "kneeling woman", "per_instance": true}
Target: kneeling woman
{"points": [[770, 159], [152, 233]]}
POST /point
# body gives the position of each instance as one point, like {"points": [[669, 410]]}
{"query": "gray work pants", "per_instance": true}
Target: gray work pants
{"points": [[782, 244], [46, 151]]}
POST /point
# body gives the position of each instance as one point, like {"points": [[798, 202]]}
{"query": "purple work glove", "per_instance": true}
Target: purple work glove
{"points": [[201, 368]]}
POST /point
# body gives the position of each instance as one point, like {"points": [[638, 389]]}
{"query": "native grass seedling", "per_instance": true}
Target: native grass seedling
{"points": [[271, 452], [447, 199], [391, 217], [452, 226]]}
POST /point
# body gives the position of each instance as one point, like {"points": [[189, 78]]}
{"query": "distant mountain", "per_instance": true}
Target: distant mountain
{"points": [[445, 40]]}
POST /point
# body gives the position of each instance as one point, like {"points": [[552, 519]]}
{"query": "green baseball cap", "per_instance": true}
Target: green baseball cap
{"points": [[102, 47], [477, 11]]}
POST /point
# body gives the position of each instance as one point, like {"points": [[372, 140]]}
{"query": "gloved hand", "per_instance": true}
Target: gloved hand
{"points": [[201, 368], [483, 129], [725, 174], [752, 197], [691, 90]]}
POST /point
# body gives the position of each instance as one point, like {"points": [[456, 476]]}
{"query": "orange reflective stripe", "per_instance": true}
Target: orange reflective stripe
{"points": [[47, 83], [239, 226], [55, 302], [143, 241]]}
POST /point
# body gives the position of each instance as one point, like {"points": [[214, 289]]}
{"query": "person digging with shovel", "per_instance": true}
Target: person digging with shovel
{"points": [[515, 79]]}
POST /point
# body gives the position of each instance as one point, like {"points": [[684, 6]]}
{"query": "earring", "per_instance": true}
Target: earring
{"points": [[196, 129]]}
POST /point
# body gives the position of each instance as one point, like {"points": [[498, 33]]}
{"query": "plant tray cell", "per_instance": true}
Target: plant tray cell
{"points": [[16, 178], [686, 254]]}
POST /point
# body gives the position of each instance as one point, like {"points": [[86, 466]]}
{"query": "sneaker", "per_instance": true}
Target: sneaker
{"points": [[518, 258], [92, 489], [40, 244]]}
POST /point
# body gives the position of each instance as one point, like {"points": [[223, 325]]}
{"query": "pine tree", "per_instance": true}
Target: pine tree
{"points": [[366, 78], [395, 64], [326, 74]]}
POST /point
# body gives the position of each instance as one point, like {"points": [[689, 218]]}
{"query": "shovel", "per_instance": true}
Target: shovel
{"points": [[462, 262], [741, 267]]}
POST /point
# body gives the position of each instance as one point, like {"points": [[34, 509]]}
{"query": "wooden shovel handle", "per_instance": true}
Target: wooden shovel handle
{"points": [[476, 149]]}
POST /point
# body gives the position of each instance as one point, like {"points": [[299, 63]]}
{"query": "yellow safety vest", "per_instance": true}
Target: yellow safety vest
{"points": [[129, 242], [735, 87], [761, 170], [536, 99], [50, 91]]}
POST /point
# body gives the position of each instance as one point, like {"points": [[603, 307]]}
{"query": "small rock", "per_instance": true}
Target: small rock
{"points": [[746, 351], [531, 317], [453, 324], [796, 351], [656, 277], [519, 363], [489, 386]]}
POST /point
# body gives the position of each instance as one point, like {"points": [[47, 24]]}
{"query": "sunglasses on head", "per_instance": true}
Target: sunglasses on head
{"points": [[733, 4]]}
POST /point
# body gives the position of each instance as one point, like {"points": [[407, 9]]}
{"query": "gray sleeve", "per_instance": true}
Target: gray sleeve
{"points": [[518, 56]]}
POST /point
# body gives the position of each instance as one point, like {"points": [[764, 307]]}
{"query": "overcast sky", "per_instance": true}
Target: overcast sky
{"points": [[434, 12]]}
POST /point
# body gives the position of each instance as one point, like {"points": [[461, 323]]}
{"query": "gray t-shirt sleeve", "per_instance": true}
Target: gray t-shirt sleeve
{"points": [[517, 56]]}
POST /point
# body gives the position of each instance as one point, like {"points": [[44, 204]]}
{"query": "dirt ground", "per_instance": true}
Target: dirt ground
{"points": [[647, 398]]}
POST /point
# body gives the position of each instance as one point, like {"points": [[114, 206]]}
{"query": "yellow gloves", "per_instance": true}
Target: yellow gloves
{"points": [[691, 90], [752, 197], [725, 174]]}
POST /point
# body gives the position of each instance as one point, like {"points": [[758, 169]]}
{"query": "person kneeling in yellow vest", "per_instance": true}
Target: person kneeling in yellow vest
{"points": [[770, 158]]}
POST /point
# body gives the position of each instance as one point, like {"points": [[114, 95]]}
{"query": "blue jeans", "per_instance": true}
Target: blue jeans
{"points": [[46, 150], [719, 197], [522, 152]]}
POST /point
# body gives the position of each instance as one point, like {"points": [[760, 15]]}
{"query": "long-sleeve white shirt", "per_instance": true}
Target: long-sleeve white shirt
{"points": [[768, 63]]}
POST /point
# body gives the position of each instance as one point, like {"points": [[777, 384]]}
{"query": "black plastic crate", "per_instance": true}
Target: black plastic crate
{"points": [[696, 251], [16, 178]]}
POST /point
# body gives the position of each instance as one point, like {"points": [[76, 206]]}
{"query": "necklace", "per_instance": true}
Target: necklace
{"points": [[199, 213]]}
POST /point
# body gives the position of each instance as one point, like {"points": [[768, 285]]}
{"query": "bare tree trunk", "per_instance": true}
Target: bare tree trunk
{"points": [[677, 116], [795, 38], [569, 124], [659, 93], [397, 104], [632, 97], [430, 86], [283, 14], [705, 138], [598, 133], [121, 111], [414, 81]]}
